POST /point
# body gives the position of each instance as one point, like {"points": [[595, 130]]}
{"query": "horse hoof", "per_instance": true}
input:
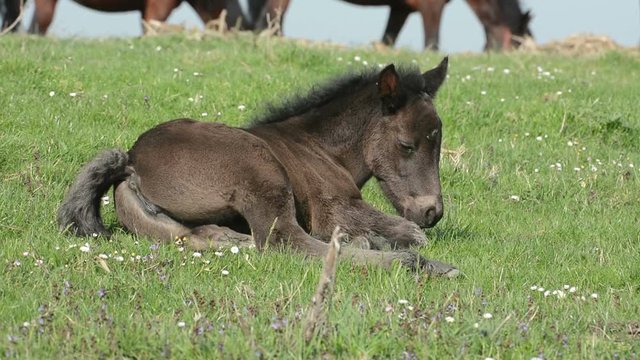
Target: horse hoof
{"points": [[360, 242]]}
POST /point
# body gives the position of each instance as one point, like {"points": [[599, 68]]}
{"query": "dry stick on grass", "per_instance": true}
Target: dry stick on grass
{"points": [[317, 313]]}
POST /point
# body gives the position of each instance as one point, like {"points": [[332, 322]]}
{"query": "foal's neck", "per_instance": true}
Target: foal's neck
{"points": [[341, 130]]}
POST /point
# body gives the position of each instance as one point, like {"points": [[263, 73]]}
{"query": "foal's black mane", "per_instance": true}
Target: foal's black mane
{"points": [[411, 83]]}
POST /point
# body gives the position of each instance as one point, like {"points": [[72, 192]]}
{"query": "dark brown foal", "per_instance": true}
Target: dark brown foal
{"points": [[287, 180]]}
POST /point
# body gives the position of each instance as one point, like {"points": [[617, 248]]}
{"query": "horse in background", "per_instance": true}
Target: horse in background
{"points": [[9, 12], [158, 10], [503, 20]]}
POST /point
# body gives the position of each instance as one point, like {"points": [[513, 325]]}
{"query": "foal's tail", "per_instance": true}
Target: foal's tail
{"points": [[80, 210]]}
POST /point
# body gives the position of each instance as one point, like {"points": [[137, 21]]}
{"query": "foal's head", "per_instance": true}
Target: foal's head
{"points": [[403, 151]]}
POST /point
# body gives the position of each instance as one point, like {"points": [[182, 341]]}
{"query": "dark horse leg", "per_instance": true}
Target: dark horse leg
{"points": [[42, 16], [431, 12], [397, 17]]}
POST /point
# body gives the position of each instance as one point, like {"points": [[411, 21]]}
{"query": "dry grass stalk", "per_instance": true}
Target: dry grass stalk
{"points": [[455, 154], [218, 25], [579, 44], [273, 25], [317, 313], [103, 264], [156, 27]]}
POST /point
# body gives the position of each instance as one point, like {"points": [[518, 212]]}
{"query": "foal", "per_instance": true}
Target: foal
{"points": [[289, 178]]}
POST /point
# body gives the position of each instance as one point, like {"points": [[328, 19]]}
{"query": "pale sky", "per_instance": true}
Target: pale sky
{"points": [[335, 21]]}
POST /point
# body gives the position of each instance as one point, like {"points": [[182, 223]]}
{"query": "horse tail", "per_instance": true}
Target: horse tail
{"points": [[256, 8], [80, 210], [236, 17], [9, 13]]}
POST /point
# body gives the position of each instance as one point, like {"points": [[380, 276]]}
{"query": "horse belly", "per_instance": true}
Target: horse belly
{"points": [[411, 3], [203, 172], [113, 5]]}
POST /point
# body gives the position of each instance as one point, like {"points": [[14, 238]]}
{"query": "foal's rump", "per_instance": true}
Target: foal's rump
{"points": [[203, 173]]}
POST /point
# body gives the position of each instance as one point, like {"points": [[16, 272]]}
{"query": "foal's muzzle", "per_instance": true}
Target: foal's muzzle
{"points": [[425, 211]]}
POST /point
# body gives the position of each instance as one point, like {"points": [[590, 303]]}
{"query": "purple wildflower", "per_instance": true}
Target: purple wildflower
{"points": [[279, 324], [67, 287]]}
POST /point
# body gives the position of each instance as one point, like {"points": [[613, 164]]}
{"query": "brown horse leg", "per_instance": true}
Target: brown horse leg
{"points": [[158, 10], [132, 214], [496, 33], [431, 12], [270, 12], [42, 16], [397, 18]]}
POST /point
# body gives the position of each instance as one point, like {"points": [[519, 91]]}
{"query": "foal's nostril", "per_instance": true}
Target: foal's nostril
{"points": [[430, 216]]}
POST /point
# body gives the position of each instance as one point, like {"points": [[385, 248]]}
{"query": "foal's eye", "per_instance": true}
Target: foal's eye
{"points": [[407, 147]]}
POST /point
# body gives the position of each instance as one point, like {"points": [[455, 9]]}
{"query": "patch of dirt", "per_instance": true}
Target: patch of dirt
{"points": [[579, 44]]}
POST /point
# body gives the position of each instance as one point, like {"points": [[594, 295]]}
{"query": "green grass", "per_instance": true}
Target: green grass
{"points": [[577, 225]]}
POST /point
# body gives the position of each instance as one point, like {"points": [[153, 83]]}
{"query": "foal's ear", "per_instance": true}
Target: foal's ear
{"points": [[388, 82], [435, 77]]}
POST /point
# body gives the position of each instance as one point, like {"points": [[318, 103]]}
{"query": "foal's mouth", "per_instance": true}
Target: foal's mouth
{"points": [[426, 211]]}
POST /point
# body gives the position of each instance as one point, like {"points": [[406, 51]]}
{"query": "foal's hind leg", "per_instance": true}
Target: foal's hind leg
{"points": [[139, 219], [135, 216]]}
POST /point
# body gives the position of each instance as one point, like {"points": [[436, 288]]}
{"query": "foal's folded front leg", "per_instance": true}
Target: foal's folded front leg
{"points": [[383, 231]]}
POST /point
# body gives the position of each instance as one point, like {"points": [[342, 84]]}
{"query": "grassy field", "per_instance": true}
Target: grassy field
{"points": [[542, 210]]}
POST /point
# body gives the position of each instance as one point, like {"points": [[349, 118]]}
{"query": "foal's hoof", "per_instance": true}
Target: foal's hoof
{"points": [[411, 259], [437, 268], [415, 262], [360, 242]]}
